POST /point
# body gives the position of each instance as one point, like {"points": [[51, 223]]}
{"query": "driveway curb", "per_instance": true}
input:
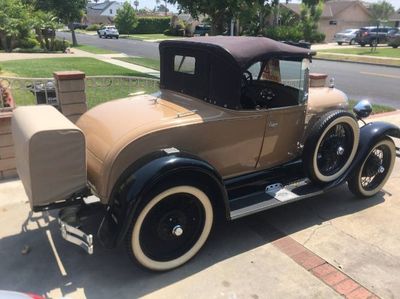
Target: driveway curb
{"points": [[320, 268]]}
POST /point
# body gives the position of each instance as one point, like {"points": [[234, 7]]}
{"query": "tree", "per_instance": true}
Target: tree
{"points": [[126, 19], [311, 11], [14, 23], [220, 12], [45, 25], [67, 11], [381, 11]]}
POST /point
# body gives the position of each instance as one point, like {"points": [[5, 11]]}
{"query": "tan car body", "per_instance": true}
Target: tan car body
{"points": [[120, 132]]}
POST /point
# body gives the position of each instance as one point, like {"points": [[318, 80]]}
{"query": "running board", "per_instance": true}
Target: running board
{"points": [[274, 195]]}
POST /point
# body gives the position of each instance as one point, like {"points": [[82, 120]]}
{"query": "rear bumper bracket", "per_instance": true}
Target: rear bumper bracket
{"points": [[76, 236]]}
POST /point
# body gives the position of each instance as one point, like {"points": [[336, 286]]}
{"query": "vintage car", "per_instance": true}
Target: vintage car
{"points": [[236, 128]]}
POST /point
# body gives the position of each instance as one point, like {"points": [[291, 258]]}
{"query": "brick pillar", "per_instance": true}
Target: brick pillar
{"points": [[70, 90], [7, 153]]}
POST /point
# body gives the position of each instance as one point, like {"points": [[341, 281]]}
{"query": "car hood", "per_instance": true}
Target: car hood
{"points": [[114, 124]]}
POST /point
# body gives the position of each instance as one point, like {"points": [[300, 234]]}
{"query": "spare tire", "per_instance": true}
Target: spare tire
{"points": [[331, 146]]}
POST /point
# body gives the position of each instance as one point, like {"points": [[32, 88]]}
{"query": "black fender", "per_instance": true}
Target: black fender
{"points": [[139, 179], [369, 134]]}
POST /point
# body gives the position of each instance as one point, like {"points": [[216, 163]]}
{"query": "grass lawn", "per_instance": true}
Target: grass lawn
{"points": [[94, 50], [376, 109], [360, 58], [43, 68], [146, 62], [102, 91], [381, 52], [146, 37]]}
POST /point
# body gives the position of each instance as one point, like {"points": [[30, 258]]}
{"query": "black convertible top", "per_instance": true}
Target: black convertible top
{"points": [[220, 62], [243, 49]]}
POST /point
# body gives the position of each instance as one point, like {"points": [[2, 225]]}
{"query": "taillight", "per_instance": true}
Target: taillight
{"points": [[365, 33]]}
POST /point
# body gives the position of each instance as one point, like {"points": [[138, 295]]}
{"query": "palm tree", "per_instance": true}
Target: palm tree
{"points": [[136, 3]]}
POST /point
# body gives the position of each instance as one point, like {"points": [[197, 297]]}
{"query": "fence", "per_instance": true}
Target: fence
{"points": [[99, 89]]}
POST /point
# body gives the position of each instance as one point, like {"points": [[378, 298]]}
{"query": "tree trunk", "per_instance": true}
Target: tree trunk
{"points": [[74, 40]]}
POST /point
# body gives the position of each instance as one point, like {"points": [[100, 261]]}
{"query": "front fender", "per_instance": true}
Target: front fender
{"points": [[139, 179], [369, 135]]}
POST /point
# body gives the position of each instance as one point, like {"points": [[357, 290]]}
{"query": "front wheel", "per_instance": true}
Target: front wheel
{"points": [[339, 43], [171, 228], [371, 176], [331, 146]]}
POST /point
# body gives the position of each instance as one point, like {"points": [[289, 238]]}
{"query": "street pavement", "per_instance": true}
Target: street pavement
{"points": [[379, 84], [360, 238]]}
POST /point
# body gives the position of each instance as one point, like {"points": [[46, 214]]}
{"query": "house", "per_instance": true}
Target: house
{"points": [[338, 15], [101, 13], [395, 17]]}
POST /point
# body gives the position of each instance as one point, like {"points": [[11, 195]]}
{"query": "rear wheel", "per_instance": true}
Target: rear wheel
{"points": [[371, 176], [171, 228], [331, 146]]}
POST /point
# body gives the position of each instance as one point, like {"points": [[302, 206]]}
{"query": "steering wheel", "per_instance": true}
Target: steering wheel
{"points": [[265, 96], [247, 79]]}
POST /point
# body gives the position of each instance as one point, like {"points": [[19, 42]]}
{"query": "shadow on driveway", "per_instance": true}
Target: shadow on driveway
{"points": [[111, 274]]}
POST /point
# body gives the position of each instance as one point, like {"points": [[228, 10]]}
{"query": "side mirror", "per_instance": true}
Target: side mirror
{"points": [[362, 109]]}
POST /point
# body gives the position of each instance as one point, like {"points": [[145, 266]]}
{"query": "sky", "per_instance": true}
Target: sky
{"points": [[151, 3]]}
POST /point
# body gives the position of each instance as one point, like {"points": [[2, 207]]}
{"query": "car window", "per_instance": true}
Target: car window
{"points": [[185, 64], [255, 69], [374, 30]]}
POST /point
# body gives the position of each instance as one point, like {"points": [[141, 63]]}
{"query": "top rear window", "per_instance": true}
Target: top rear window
{"points": [[185, 64]]}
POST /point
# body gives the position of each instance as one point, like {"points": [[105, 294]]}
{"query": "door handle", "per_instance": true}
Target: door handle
{"points": [[273, 124]]}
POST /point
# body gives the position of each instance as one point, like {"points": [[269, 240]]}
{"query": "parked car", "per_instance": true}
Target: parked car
{"points": [[202, 30], [394, 38], [234, 130], [347, 36], [372, 35], [108, 32]]}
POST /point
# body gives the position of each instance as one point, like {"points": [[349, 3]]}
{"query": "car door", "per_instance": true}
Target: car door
{"points": [[285, 125]]}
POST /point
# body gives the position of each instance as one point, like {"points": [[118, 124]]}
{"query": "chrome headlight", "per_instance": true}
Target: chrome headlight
{"points": [[362, 109]]}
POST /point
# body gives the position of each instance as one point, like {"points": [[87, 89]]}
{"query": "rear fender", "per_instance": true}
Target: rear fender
{"points": [[140, 178]]}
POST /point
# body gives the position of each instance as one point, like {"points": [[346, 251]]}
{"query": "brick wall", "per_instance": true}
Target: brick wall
{"points": [[7, 156]]}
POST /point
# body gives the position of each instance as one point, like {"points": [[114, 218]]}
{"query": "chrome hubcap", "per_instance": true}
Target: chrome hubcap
{"points": [[381, 169], [177, 231], [340, 151]]}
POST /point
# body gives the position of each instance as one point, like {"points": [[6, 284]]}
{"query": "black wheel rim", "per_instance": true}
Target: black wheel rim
{"points": [[172, 227], [376, 167], [335, 149]]}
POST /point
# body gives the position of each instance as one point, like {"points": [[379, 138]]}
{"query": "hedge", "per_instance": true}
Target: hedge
{"points": [[151, 25]]}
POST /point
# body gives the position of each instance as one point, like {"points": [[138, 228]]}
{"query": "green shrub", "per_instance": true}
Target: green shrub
{"points": [[93, 27], [61, 45], [28, 43], [317, 37], [152, 25], [284, 33]]}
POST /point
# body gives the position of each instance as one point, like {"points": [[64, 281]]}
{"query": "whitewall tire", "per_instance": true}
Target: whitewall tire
{"points": [[372, 175], [171, 228], [331, 146]]}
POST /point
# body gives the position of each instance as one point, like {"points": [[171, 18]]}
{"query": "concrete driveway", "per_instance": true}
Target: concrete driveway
{"points": [[281, 253]]}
